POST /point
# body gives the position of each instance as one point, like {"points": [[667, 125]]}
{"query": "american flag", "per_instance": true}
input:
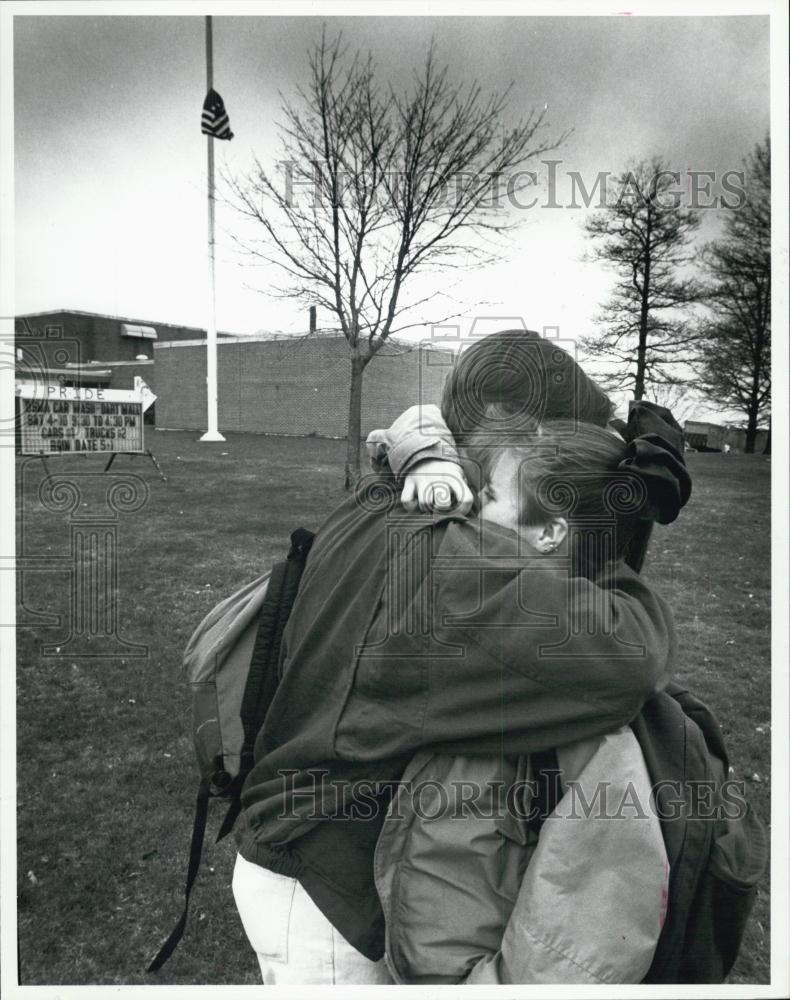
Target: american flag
{"points": [[215, 121]]}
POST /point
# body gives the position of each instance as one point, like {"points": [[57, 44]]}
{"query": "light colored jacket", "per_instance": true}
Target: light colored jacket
{"points": [[471, 895], [418, 433]]}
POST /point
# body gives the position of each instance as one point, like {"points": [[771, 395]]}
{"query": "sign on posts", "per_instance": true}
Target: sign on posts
{"points": [[59, 420]]}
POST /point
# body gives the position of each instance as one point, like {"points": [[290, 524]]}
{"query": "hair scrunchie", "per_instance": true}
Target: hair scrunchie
{"points": [[655, 454]]}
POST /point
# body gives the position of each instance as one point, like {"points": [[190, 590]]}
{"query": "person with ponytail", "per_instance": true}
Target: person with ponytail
{"points": [[602, 898], [474, 890]]}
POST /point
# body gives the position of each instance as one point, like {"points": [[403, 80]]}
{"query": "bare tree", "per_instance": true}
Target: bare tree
{"points": [[378, 186], [679, 398], [644, 235], [735, 364]]}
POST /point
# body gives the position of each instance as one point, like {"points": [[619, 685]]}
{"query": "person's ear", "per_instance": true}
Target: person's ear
{"points": [[551, 535]]}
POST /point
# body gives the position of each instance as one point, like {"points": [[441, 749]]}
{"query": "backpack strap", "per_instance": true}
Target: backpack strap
{"points": [[677, 754], [696, 710], [230, 817], [548, 789], [264, 675], [259, 690], [195, 851]]}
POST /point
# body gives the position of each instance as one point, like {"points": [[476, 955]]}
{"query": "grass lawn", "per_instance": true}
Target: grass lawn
{"points": [[106, 779]]}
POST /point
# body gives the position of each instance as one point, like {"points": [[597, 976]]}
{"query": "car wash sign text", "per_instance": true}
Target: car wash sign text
{"points": [[55, 419]]}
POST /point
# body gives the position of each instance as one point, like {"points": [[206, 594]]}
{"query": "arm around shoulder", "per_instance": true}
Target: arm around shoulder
{"points": [[515, 662]]}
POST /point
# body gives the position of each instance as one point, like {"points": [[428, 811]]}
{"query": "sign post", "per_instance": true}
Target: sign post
{"points": [[61, 420]]}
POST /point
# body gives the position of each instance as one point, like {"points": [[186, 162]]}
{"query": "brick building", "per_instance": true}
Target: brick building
{"points": [[82, 348], [295, 385]]}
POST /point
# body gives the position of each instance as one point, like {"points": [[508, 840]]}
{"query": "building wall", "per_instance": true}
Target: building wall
{"points": [[67, 337], [735, 437], [297, 386], [123, 375], [715, 436]]}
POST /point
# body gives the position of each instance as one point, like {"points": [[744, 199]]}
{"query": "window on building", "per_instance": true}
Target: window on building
{"points": [[136, 330]]}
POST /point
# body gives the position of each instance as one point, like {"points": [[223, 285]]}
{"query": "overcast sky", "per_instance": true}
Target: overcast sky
{"points": [[111, 164]]}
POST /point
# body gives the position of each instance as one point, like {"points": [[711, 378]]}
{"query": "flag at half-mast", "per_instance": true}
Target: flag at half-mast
{"points": [[215, 121]]}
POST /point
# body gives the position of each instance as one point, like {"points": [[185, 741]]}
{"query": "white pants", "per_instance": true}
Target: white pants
{"points": [[294, 941]]}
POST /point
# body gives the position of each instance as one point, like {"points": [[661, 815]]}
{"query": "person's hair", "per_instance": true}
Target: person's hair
{"points": [[511, 381], [572, 470], [515, 375]]}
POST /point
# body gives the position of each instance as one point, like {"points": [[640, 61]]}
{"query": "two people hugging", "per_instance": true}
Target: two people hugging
{"points": [[471, 659]]}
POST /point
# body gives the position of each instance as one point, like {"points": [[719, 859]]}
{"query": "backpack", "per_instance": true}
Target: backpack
{"points": [[715, 862], [231, 664]]}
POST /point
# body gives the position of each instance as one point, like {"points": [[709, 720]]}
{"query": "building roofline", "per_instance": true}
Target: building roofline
{"points": [[105, 373], [729, 426], [252, 338], [400, 346], [404, 346], [123, 319]]}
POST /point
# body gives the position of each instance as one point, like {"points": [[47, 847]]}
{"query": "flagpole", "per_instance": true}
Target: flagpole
{"points": [[212, 429]]}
